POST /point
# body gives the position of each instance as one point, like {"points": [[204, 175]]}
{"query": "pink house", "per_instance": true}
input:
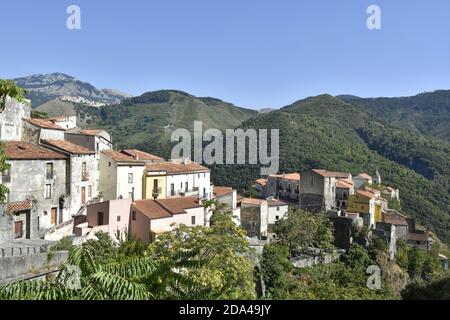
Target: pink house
{"points": [[151, 217], [109, 216]]}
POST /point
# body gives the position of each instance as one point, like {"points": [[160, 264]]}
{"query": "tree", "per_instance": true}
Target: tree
{"points": [[274, 265], [9, 88], [228, 269], [301, 230]]}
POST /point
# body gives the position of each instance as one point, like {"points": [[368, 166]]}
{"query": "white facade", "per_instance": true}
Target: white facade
{"points": [[66, 122], [189, 184], [276, 212], [192, 217], [11, 123], [120, 180]]}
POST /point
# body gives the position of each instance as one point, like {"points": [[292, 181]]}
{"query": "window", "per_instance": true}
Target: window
{"points": [[98, 146], [130, 178], [48, 191], [118, 218], [181, 186], [187, 186], [193, 220], [172, 189], [90, 192], [109, 164], [278, 208], [199, 175], [84, 174], [6, 176], [49, 171], [277, 217], [133, 215], [130, 195], [312, 181]]}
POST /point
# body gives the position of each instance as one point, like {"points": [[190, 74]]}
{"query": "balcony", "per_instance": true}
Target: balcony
{"points": [[189, 193], [156, 192], [84, 176]]}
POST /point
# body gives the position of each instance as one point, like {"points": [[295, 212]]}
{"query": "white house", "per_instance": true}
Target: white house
{"points": [[121, 176], [81, 165], [65, 122], [277, 210]]}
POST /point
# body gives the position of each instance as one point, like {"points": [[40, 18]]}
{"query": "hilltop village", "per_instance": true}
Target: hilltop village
{"points": [[66, 182]]}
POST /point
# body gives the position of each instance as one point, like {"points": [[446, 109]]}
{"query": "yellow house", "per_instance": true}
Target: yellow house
{"points": [[365, 203], [154, 185]]}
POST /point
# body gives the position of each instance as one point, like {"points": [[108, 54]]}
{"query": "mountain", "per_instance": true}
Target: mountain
{"points": [[266, 110], [148, 120], [325, 132], [427, 113], [46, 87]]}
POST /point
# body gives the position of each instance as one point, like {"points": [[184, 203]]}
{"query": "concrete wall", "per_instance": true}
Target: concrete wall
{"points": [[28, 180], [11, 123], [19, 268], [50, 134], [163, 225]]}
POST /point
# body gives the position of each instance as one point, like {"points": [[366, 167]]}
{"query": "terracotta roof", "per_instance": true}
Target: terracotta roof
{"points": [[262, 182], [13, 207], [120, 157], [415, 236], [44, 123], [288, 176], [366, 194], [254, 202], [344, 184], [179, 204], [364, 176], [140, 155], [328, 174], [221, 191], [390, 189], [151, 209], [177, 168], [165, 208], [21, 150], [394, 219], [91, 132], [276, 203], [68, 146]]}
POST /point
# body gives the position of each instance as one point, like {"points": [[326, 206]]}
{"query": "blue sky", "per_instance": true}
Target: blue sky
{"points": [[254, 53]]}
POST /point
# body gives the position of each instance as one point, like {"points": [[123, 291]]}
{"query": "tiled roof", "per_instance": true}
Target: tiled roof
{"points": [[276, 203], [179, 204], [140, 155], [254, 202], [366, 194], [44, 123], [394, 219], [328, 174], [262, 182], [165, 208], [344, 184], [67, 146], [416, 236], [91, 132], [21, 150], [221, 191], [120, 157], [364, 176], [288, 176], [176, 168], [13, 207]]}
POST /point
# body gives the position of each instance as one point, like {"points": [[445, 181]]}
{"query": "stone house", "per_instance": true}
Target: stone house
{"points": [[37, 174], [254, 218], [361, 180], [65, 121], [121, 176], [399, 221], [261, 188], [344, 189], [80, 166], [318, 189], [284, 186], [35, 130], [94, 140], [152, 217]]}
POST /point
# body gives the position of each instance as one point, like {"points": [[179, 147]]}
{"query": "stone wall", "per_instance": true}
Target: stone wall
{"points": [[17, 268], [11, 120]]}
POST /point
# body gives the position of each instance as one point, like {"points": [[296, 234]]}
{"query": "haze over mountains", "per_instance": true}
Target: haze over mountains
{"points": [[407, 139], [45, 87]]}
